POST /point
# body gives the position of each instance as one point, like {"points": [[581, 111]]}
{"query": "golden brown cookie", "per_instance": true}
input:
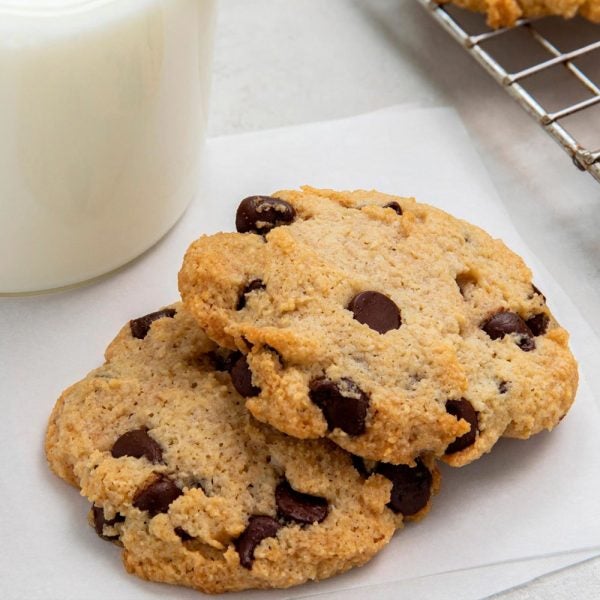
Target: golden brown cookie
{"points": [[200, 494], [388, 326], [505, 13]]}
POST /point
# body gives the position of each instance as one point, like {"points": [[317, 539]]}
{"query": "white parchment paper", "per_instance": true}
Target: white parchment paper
{"points": [[534, 500]]}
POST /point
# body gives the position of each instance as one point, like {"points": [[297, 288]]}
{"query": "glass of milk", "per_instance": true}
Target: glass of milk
{"points": [[103, 107]]}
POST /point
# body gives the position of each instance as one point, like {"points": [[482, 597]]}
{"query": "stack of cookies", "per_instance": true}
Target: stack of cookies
{"points": [[505, 13], [285, 419]]}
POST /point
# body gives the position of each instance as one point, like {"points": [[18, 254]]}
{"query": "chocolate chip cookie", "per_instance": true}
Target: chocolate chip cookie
{"points": [[385, 325], [505, 13], [196, 491]]}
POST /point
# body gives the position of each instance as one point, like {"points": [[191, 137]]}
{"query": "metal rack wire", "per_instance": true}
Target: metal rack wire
{"points": [[513, 82]]}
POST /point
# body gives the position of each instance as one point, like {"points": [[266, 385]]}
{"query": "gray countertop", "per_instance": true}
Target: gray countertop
{"points": [[284, 62]]}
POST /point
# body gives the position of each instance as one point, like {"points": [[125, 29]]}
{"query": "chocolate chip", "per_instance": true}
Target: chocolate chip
{"points": [[411, 486], [462, 409], [223, 360], [375, 310], [394, 206], [260, 214], [156, 497], [241, 377], [359, 464], [259, 528], [503, 323], [344, 404], [137, 443], [141, 326], [538, 324], [100, 522], [254, 285], [183, 534], [299, 507]]}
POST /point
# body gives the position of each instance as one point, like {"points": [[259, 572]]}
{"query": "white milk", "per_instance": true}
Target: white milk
{"points": [[102, 117]]}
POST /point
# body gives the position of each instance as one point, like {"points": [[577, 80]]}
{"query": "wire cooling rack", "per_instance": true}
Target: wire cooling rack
{"points": [[515, 81]]}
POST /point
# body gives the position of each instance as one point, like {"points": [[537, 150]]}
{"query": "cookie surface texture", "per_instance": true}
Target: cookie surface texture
{"points": [[200, 494], [385, 325], [505, 13]]}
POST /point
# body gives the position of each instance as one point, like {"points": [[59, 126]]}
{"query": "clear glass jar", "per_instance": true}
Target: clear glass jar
{"points": [[103, 108]]}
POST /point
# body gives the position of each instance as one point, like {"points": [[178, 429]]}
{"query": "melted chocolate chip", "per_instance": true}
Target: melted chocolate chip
{"points": [[137, 443], [359, 464], [299, 507], [344, 404], [375, 310], [254, 285], [504, 323], [183, 534], [462, 409], [241, 377], [259, 528], [394, 206], [538, 324], [223, 360], [260, 214], [411, 486], [100, 522], [141, 326], [156, 497]]}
